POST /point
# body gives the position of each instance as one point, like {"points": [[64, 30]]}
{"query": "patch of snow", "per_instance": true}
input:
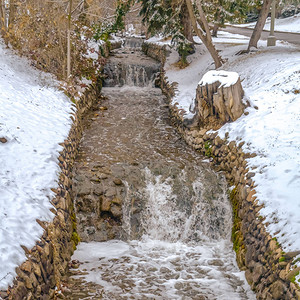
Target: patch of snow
{"points": [[93, 49], [160, 40], [225, 78], [34, 119]]}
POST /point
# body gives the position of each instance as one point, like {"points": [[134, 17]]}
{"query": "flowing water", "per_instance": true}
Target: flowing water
{"points": [[173, 241]]}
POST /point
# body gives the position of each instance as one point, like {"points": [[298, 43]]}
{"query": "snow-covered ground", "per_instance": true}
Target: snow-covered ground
{"points": [[34, 118], [271, 80], [291, 24]]}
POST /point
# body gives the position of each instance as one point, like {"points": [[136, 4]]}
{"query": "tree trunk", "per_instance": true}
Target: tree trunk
{"points": [[216, 25], [2, 18], [204, 36], [215, 30], [187, 26], [218, 104], [12, 11], [69, 41], [260, 24]]}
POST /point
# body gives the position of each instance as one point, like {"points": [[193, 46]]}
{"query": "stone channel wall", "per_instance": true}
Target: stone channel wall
{"points": [[266, 266], [39, 276]]}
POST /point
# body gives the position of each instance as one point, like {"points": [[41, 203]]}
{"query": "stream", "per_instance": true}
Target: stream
{"points": [[153, 217]]}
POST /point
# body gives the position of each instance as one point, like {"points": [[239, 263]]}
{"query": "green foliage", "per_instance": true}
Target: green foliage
{"points": [[222, 11], [75, 237], [164, 17], [208, 149], [293, 279]]}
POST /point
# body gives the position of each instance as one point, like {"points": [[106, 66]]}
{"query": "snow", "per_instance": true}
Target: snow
{"points": [[272, 132], [271, 79], [225, 78], [290, 24], [34, 118]]}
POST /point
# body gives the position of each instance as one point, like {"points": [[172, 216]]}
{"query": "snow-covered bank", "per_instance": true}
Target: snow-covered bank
{"points": [[290, 24], [271, 81], [34, 119]]}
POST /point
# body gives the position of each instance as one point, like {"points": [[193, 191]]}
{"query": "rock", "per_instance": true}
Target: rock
{"points": [[111, 192], [249, 254], [105, 204], [116, 211], [98, 190], [258, 272], [117, 181], [102, 176], [216, 262], [26, 266], [117, 201], [84, 188], [277, 290], [291, 255], [273, 245], [3, 140], [95, 179]]}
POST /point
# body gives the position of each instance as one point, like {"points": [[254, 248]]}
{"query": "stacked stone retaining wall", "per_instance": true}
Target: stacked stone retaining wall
{"points": [[39, 276], [267, 267]]}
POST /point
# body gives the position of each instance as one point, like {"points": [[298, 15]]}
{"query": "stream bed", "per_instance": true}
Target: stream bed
{"points": [[154, 218]]}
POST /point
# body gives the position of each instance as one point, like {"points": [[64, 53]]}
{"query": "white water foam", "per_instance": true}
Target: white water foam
{"points": [[168, 262]]}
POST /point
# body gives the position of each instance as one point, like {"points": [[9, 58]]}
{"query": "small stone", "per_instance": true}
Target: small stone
{"points": [[26, 266], [258, 272], [216, 262], [106, 203], [273, 245], [218, 141], [3, 140], [111, 192], [250, 174], [102, 176], [117, 181], [117, 201], [116, 211], [95, 179], [241, 144], [103, 108], [277, 290], [291, 255]]}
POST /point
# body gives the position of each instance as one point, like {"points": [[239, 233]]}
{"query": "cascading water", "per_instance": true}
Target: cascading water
{"points": [[174, 241], [126, 67]]}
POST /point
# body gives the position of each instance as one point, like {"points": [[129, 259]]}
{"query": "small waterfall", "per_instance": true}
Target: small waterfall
{"points": [[177, 209], [128, 66]]}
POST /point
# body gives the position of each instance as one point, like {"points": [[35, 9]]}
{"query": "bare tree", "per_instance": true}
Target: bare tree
{"points": [[69, 39], [202, 30], [259, 24]]}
